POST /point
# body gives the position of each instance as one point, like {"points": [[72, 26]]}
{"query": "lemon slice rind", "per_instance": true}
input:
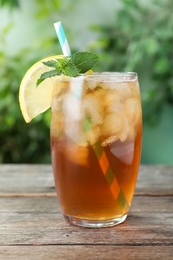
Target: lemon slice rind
{"points": [[35, 100]]}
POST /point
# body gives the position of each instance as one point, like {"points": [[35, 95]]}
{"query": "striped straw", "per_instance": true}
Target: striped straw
{"points": [[109, 175], [62, 38], [98, 149], [106, 169]]}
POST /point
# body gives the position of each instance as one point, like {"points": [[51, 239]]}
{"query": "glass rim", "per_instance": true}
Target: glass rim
{"points": [[114, 72], [110, 76], [104, 77]]}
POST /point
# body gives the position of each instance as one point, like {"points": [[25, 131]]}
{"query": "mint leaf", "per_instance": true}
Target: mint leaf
{"points": [[69, 69], [62, 63], [51, 63], [48, 74], [71, 66], [84, 61]]}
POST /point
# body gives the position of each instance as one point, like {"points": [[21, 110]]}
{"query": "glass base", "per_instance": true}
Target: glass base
{"points": [[95, 223]]}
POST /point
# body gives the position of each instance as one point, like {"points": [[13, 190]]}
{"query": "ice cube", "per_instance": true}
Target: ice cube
{"points": [[107, 84], [92, 136], [133, 109], [57, 124], [112, 125], [132, 133], [61, 85], [90, 84], [59, 92], [124, 90], [93, 108], [109, 140], [100, 93], [112, 96], [57, 103], [123, 151], [74, 130], [124, 130], [77, 154], [117, 107]]}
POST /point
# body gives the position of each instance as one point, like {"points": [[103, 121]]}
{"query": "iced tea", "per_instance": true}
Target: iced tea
{"points": [[96, 131]]}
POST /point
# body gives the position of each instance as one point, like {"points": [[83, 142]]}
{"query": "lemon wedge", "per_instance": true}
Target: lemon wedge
{"points": [[35, 100]]}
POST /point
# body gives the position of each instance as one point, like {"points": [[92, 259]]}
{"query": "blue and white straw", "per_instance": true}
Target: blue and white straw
{"points": [[62, 38], [77, 89]]}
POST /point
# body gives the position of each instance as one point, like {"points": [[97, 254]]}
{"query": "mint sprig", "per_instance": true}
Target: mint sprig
{"points": [[72, 66], [84, 61]]}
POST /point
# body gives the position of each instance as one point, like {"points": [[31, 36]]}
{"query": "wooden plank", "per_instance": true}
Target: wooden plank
{"points": [[86, 252], [155, 180], [34, 221], [49, 229], [51, 205], [18, 179], [23, 180], [32, 226]]}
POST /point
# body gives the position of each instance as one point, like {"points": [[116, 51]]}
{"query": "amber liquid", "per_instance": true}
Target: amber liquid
{"points": [[81, 186], [96, 130]]}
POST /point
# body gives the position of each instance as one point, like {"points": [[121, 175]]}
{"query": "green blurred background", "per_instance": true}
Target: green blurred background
{"points": [[129, 35]]}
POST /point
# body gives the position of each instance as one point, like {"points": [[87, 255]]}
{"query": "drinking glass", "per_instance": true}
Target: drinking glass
{"points": [[96, 132]]}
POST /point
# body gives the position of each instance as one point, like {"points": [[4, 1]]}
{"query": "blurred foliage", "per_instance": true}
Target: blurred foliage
{"points": [[9, 3], [141, 40], [21, 142]]}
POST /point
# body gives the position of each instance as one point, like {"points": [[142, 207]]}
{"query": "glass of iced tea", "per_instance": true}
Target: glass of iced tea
{"points": [[96, 131]]}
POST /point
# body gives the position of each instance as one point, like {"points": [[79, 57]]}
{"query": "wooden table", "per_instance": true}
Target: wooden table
{"points": [[32, 227]]}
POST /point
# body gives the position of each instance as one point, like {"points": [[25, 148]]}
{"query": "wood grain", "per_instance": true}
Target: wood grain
{"points": [[39, 221], [18, 179], [26, 179], [85, 252], [51, 205], [32, 226]]}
